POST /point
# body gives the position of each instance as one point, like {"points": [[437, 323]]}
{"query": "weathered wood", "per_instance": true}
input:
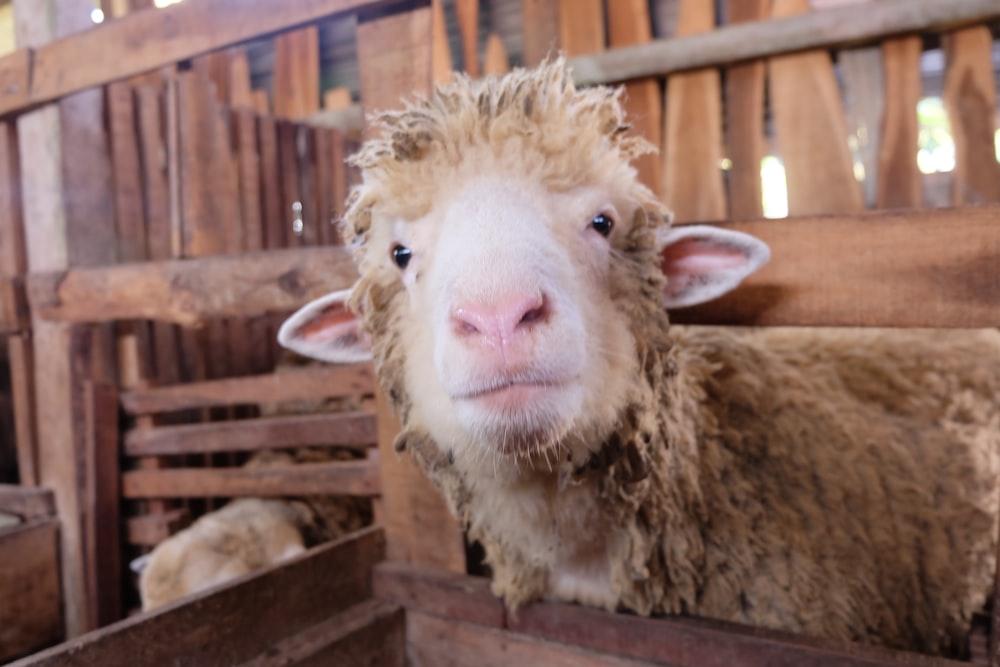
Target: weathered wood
{"points": [[970, 95], [13, 261], [693, 131], [811, 129], [439, 593], [371, 633], [496, 60], [27, 502], [148, 530], [899, 179], [296, 73], [177, 33], [240, 92], [14, 312], [340, 478], [101, 509], [540, 30], [815, 30], [22, 381], [629, 23], [271, 208], [581, 26], [934, 268], [467, 12], [30, 615], [215, 628], [301, 384], [349, 429], [441, 55], [744, 111], [295, 231], [188, 291]]}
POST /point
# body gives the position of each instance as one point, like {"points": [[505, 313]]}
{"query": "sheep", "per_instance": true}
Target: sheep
{"points": [[514, 284]]}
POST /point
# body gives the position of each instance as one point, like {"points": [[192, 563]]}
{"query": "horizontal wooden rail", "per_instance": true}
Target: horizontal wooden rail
{"points": [[27, 502], [190, 290], [348, 478], [145, 41], [933, 268], [846, 26], [310, 383], [244, 435], [149, 530], [14, 316]]}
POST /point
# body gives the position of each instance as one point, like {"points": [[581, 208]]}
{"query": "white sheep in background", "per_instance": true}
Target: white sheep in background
{"points": [[514, 275]]}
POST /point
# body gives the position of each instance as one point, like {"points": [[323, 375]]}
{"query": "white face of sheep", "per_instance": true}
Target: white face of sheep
{"points": [[512, 335]]}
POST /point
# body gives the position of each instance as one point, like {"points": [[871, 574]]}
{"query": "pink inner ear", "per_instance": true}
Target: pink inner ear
{"points": [[694, 256], [331, 317]]}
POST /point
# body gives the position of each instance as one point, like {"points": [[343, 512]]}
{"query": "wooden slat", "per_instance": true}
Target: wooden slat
{"points": [[271, 207], [970, 96], [288, 175], [371, 633], [307, 383], [693, 131], [14, 314], [899, 179], [744, 111], [237, 622], [240, 92], [13, 261], [188, 291], [441, 54], [344, 429], [810, 129], [30, 615], [439, 593], [296, 73], [148, 530], [302, 479], [816, 30], [934, 268], [496, 60], [539, 29], [581, 26], [467, 12], [22, 381], [171, 35], [27, 502]]}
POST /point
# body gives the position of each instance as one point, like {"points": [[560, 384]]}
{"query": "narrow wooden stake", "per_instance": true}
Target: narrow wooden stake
{"points": [[468, 27], [540, 30], [900, 184]]}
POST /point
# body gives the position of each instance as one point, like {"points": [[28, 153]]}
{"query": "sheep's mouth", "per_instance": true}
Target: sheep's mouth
{"points": [[512, 393]]}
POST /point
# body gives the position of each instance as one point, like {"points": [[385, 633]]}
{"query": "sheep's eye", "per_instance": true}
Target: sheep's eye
{"points": [[401, 255], [602, 224]]}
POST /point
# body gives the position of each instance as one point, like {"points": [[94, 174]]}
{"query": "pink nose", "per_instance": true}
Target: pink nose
{"points": [[496, 322]]}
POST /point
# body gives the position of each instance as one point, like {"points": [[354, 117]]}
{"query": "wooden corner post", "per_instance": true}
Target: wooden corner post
{"points": [[394, 55]]}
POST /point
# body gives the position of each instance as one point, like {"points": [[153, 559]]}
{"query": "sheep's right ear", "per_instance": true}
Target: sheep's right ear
{"points": [[325, 329]]}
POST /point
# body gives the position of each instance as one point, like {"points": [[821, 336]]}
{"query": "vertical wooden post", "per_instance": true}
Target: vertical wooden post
{"points": [[394, 54], [67, 208], [899, 180], [540, 28]]}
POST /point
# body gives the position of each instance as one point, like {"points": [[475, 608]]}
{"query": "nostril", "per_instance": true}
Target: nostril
{"points": [[464, 323], [536, 314]]}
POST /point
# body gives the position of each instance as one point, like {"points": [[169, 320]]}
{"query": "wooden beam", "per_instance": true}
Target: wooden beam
{"points": [[189, 291], [14, 312], [933, 268], [239, 621], [825, 29], [27, 502], [302, 479], [34, 76], [30, 615], [308, 383], [348, 429]]}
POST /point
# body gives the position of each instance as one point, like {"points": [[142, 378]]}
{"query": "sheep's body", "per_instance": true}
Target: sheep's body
{"points": [[836, 483]]}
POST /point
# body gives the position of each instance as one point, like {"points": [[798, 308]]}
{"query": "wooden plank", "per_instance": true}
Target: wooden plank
{"points": [[349, 429], [370, 633], [899, 180], [811, 130], [934, 268], [296, 73], [439, 593], [177, 33], [14, 313], [291, 194], [693, 131], [274, 229], [467, 12], [148, 530], [22, 380], [240, 620], [744, 109], [441, 55], [539, 30], [322, 139], [496, 60], [103, 533], [189, 291], [581, 27], [830, 28], [970, 96], [240, 92], [337, 98], [629, 23], [302, 479], [27, 502], [13, 261], [340, 181], [30, 615]]}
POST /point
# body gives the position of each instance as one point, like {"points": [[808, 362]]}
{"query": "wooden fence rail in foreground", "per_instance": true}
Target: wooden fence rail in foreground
{"points": [[912, 268], [828, 28]]}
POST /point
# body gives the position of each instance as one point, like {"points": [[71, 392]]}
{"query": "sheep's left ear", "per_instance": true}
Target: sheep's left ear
{"points": [[325, 329], [702, 262]]}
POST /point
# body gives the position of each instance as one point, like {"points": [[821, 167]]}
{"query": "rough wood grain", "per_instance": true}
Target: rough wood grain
{"points": [[816, 30], [189, 291], [899, 179], [693, 131], [581, 27], [439, 593], [31, 615], [970, 95], [540, 30], [349, 429], [27, 502], [744, 109], [934, 268], [811, 130], [238, 621], [302, 479]]}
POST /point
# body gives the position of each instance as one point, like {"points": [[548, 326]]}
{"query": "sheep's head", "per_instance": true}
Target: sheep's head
{"points": [[512, 265]]}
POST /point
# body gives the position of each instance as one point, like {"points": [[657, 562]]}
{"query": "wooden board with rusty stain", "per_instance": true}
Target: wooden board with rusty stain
{"points": [[31, 614]]}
